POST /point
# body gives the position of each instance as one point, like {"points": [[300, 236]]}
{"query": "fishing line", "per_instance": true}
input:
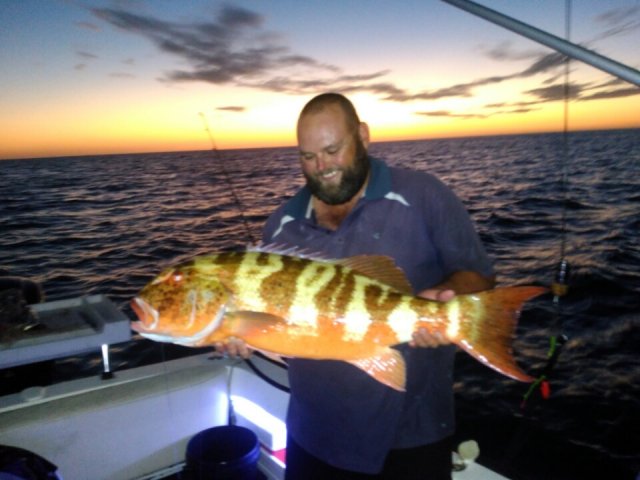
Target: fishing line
{"points": [[231, 413], [175, 452], [264, 376], [560, 283], [243, 216], [230, 183]]}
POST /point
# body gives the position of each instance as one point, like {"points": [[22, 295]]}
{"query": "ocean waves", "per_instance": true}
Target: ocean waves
{"points": [[107, 224]]}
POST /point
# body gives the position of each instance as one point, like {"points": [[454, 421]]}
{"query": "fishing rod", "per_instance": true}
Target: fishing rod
{"points": [[243, 215], [227, 176], [560, 283], [572, 50]]}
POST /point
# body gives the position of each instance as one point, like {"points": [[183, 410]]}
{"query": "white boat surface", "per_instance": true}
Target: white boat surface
{"points": [[137, 424]]}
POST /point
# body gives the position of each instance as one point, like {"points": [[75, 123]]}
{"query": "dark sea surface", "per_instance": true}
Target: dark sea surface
{"points": [[107, 224]]}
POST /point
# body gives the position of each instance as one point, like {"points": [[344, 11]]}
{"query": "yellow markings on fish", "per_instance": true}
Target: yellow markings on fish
{"points": [[475, 308], [453, 317], [313, 278], [253, 270], [403, 320], [356, 318]]}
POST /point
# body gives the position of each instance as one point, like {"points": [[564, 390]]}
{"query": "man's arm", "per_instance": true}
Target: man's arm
{"points": [[458, 283]]}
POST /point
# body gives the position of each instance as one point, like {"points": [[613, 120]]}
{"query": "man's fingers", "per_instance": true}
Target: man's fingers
{"points": [[422, 338], [438, 295], [233, 347], [445, 295]]}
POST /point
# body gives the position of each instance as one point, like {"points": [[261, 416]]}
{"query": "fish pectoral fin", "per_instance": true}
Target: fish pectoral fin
{"points": [[387, 367], [246, 317], [252, 327]]}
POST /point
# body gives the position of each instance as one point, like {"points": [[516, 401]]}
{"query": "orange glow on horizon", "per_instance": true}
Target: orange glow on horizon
{"points": [[159, 129]]}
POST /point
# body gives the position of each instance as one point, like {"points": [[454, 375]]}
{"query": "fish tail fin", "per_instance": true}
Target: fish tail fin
{"points": [[487, 328]]}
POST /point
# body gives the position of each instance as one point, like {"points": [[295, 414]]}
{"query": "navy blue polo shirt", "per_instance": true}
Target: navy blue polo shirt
{"points": [[337, 412]]}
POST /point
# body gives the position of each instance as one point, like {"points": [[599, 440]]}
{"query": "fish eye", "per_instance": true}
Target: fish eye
{"points": [[171, 275]]}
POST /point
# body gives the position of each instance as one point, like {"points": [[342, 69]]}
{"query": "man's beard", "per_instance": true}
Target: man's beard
{"points": [[352, 180]]}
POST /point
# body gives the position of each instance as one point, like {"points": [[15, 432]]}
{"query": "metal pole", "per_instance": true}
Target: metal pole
{"points": [[572, 50]]}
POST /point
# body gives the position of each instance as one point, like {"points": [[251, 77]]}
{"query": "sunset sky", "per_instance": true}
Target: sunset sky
{"points": [[82, 77]]}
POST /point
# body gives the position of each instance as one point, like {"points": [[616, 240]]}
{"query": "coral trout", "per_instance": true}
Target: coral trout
{"points": [[352, 309]]}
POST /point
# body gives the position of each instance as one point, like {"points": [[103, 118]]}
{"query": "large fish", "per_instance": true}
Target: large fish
{"points": [[352, 309]]}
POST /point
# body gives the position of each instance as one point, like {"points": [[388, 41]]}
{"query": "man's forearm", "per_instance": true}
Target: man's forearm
{"points": [[466, 281]]}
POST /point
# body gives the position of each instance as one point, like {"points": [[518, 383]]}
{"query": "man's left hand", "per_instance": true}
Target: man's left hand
{"points": [[422, 337]]}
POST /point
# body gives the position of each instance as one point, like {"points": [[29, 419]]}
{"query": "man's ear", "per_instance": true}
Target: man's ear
{"points": [[363, 131]]}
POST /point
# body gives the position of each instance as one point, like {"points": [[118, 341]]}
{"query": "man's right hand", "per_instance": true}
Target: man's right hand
{"points": [[233, 347]]}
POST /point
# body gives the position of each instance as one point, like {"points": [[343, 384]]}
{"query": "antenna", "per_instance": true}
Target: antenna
{"points": [[236, 199]]}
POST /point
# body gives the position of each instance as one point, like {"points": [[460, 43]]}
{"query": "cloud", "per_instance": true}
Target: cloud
{"points": [[556, 92], [503, 51], [86, 55], [87, 26], [546, 63], [618, 21], [519, 105], [231, 108], [618, 93], [123, 75], [578, 92], [504, 109], [543, 64], [446, 113], [618, 15], [233, 48]]}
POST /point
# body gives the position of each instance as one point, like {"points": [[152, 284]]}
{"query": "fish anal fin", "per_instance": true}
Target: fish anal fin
{"points": [[381, 268], [387, 367]]}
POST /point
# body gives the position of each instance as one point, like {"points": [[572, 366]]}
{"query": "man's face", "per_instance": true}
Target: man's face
{"points": [[333, 156]]}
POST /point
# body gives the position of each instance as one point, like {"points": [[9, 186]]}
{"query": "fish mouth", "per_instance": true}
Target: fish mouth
{"points": [[147, 316]]}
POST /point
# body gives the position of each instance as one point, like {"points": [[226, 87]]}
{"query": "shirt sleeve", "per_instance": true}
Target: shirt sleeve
{"points": [[453, 233]]}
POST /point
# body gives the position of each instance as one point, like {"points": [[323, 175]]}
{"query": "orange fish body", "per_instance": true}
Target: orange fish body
{"points": [[353, 309]]}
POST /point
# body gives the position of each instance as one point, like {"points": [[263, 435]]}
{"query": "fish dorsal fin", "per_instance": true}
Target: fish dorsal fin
{"points": [[379, 267], [287, 250]]}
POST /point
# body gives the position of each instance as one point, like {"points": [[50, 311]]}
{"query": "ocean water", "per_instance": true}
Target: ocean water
{"points": [[107, 224]]}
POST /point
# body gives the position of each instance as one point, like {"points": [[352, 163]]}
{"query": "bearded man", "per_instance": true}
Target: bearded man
{"points": [[341, 423]]}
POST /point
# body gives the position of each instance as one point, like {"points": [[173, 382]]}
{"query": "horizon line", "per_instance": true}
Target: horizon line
{"points": [[453, 137]]}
